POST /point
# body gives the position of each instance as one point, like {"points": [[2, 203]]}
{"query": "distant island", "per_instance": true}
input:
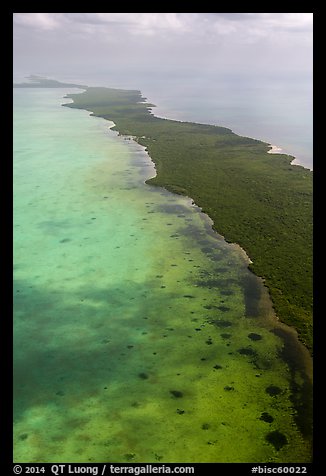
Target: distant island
{"points": [[255, 199], [40, 82]]}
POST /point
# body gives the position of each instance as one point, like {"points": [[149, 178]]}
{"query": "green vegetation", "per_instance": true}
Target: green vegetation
{"points": [[255, 199]]}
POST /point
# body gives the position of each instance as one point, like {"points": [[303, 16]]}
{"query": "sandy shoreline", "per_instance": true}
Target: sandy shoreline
{"points": [[274, 149]]}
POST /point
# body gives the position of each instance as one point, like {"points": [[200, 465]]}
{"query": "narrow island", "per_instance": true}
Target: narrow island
{"points": [[254, 198]]}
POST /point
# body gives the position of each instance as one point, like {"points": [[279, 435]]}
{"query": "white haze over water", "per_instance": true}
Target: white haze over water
{"points": [[251, 72]]}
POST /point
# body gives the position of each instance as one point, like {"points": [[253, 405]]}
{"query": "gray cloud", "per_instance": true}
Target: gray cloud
{"points": [[76, 43], [196, 23]]}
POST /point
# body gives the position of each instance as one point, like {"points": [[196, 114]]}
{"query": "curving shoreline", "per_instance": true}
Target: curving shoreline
{"points": [[263, 205]]}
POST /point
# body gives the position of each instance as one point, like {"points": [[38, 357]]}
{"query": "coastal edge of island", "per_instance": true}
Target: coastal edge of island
{"points": [[263, 205]]}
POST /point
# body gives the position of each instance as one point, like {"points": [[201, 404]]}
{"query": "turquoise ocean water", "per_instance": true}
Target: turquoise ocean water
{"points": [[139, 334]]}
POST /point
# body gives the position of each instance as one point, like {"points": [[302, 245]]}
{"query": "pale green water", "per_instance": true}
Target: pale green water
{"points": [[135, 326]]}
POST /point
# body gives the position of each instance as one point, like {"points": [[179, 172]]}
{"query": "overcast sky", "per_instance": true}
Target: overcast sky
{"points": [[72, 45]]}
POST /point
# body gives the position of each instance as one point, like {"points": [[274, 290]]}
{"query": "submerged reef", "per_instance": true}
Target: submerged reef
{"points": [[255, 199]]}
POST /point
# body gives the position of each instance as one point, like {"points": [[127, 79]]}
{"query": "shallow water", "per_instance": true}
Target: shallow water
{"points": [[139, 334]]}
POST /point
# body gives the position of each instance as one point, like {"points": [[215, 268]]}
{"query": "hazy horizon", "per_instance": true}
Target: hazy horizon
{"points": [[251, 72]]}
